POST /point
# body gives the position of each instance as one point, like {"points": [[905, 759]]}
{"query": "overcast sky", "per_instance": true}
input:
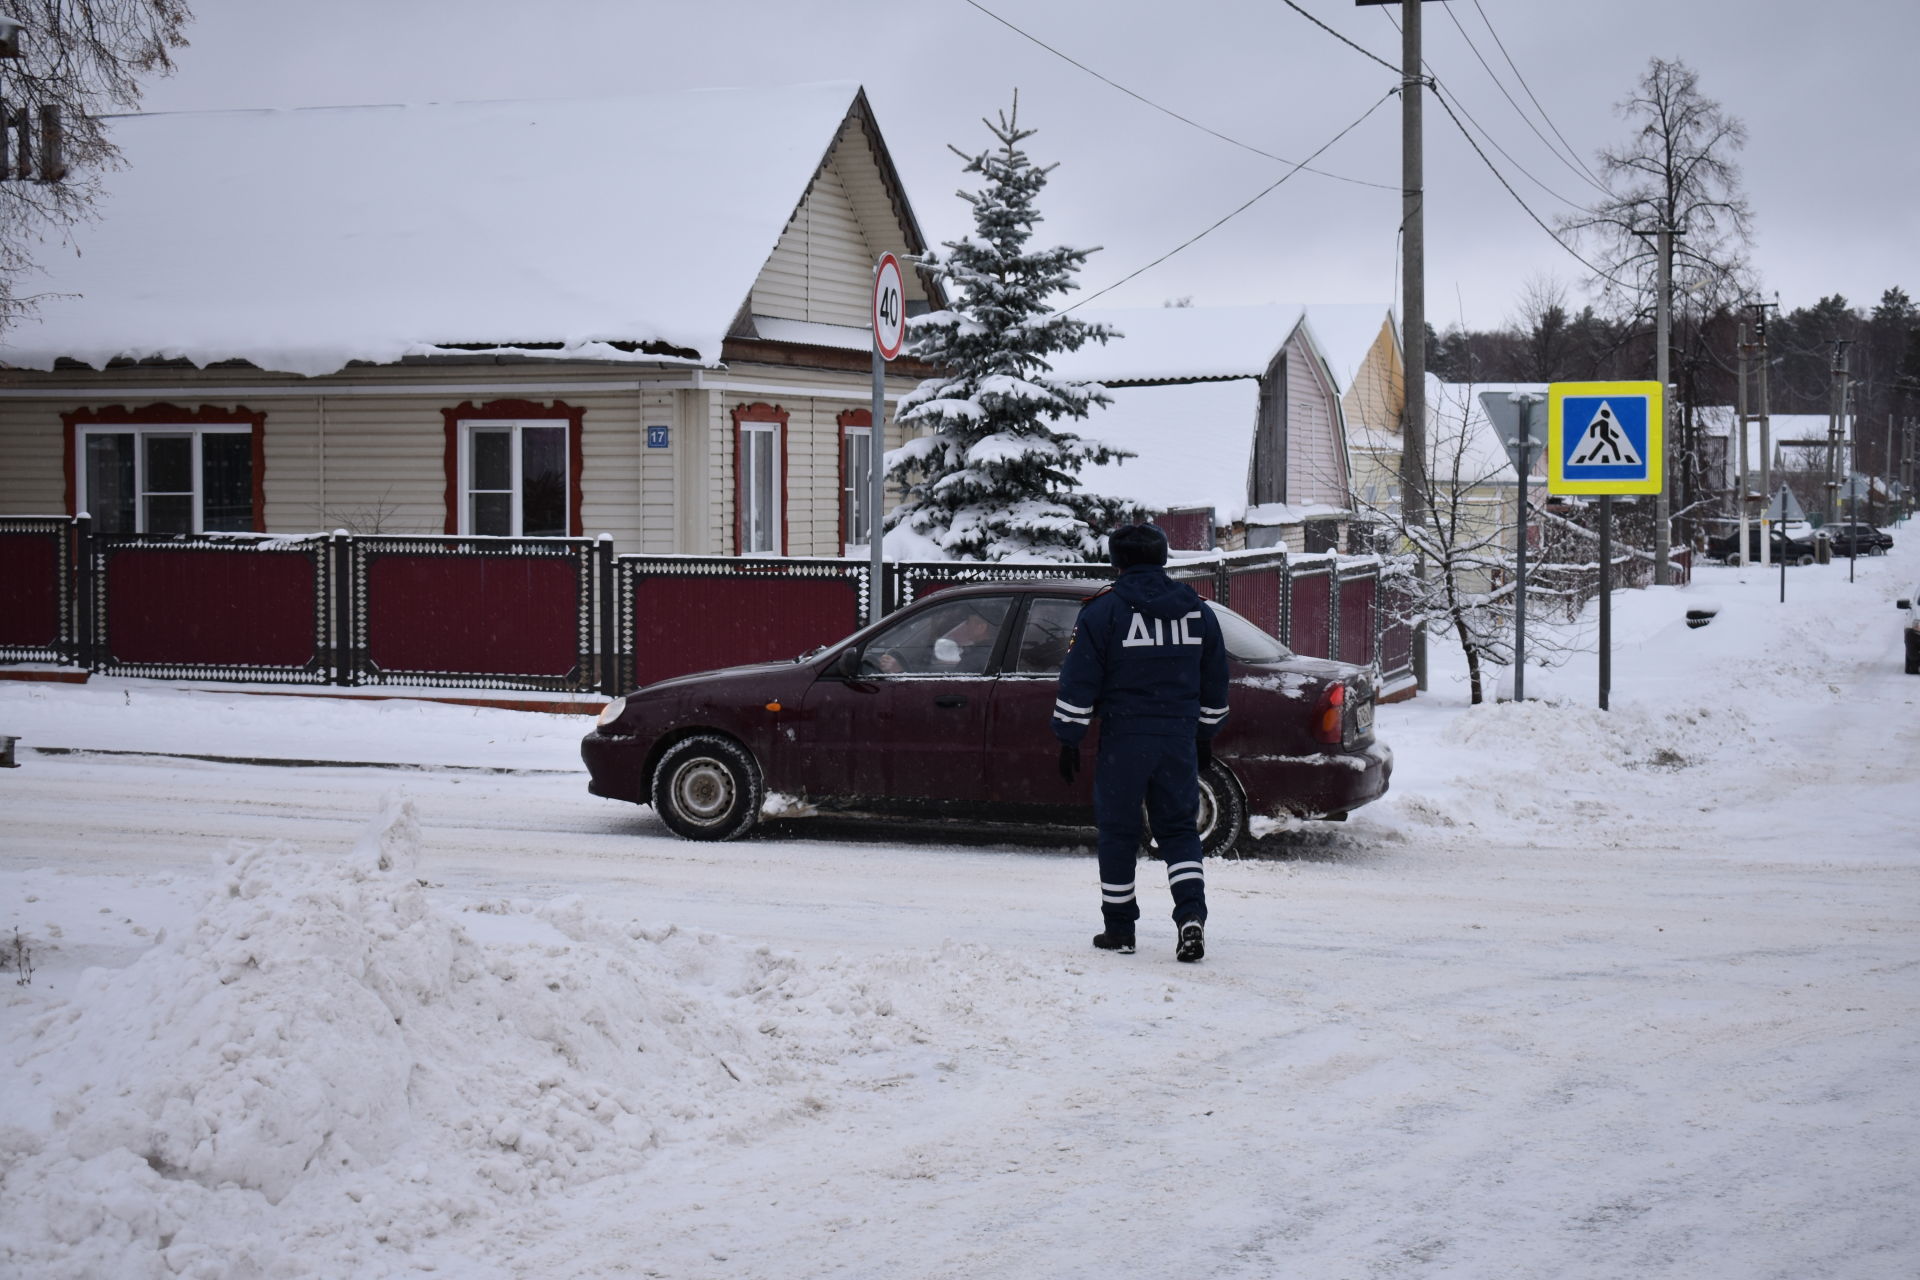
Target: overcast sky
{"points": [[1828, 91]]}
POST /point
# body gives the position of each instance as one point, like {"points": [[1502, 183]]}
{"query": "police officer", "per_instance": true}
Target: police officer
{"points": [[1147, 658]]}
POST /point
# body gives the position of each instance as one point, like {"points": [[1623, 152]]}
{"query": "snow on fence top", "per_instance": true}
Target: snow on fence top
{"points": [[302, 239]]}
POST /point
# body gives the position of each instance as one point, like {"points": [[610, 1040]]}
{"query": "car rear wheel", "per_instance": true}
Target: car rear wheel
{"points": [[708, 787], [1222, 820]]}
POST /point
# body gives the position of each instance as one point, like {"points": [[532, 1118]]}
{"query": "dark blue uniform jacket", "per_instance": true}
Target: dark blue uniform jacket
{"points": [[1146, 658]]}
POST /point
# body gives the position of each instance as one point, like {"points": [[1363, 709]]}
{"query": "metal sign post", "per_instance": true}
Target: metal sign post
{"points": [[1512, 416], [1605, 438], [889, 337]]}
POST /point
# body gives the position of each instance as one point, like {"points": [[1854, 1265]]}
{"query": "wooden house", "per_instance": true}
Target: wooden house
{"points": [[1241, 412], [644, 316]]}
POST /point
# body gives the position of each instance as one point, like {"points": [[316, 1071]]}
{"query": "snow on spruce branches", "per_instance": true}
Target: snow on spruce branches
{"points": [[995, 480]]}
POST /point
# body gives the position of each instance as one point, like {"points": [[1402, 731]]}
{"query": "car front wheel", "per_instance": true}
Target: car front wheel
{"points": [[708, 787]]}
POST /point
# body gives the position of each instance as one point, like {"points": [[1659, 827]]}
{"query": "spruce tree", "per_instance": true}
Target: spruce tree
{"points": [[996, 479]]}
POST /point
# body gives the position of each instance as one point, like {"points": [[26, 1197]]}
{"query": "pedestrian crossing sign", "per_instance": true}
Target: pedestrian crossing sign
{"points": [[1605, 437]]}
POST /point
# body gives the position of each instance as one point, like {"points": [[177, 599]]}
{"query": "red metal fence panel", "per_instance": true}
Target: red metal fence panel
{"points": [[1310, 612], [1255, 593], [36, 589], [683, 614], [499, 613], [1357, 599], [231, 607]]}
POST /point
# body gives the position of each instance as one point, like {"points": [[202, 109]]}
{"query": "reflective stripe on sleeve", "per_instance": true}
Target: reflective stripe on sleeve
{"points": [[1064, 705]]}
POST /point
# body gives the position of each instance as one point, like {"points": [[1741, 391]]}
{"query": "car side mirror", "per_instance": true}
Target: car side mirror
{"points": [[1903, 604], [847, 664]]}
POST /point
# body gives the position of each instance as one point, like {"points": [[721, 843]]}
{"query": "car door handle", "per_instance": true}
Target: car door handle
{"points": [[951, 700]]}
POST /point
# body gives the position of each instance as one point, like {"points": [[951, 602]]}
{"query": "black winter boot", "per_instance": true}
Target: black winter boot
{"points": [[1118, 935], [1192, 944]]}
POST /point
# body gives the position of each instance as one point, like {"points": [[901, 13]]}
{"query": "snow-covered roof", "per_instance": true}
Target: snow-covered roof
{"points": [[1717, 420], [303, 239], [1216, 342], [1345, 332], [1194, 441], [1458, 427]]}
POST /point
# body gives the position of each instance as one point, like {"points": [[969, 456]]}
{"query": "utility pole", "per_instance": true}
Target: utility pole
{"points": [[1759, 310], [1663, 334], [1886, 471], [1413, 300], [1740, 425], [1836, 415]]}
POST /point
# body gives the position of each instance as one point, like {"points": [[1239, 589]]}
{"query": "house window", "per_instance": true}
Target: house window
{"points": [[516, 478], [856, 479], [162, 469], [513, 469], [760, 480]]}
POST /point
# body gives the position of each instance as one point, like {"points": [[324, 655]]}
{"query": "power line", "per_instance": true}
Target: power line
{"points": [[1484, 131], [1448, 108], [1342, 39], [1237, 212], [1517, 109], [1591, 176], [1244, 146]]}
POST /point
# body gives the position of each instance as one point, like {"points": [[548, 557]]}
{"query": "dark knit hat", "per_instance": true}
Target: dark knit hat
{"points": [[1137, 544]]}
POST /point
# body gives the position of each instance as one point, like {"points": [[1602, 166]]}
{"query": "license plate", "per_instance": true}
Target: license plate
{"points": [[1363, 717]]}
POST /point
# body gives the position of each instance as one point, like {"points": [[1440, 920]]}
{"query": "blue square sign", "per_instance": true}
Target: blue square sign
{"points": [[656, 437]]}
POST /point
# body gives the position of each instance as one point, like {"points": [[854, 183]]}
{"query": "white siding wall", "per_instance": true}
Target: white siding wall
{"points": [[376, 463], [32, 475], [812, 453], [822, 268], [1316, 456]]}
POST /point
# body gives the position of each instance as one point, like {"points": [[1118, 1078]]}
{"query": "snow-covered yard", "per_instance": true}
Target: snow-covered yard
{"points": [[1590, 994]]}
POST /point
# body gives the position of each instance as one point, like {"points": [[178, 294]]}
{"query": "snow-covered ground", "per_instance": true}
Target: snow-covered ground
{"points": [[1591, 994]]}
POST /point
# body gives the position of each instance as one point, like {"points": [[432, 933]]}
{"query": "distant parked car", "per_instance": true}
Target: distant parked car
{"points": [[1911, 607], [1793, 544], [1857, 539], [944, 710]]}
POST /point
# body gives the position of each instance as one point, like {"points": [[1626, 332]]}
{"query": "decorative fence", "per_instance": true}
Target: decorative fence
{"points": [[558, 614], [39, 591]]}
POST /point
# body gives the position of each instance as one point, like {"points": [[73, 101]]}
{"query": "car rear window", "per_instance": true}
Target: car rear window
{"points": [[1245, 641]]}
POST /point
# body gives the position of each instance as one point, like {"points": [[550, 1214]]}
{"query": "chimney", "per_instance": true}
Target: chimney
{"points": [[53, 163]]}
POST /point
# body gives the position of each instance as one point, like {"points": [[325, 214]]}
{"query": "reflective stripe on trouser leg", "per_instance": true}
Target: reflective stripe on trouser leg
{"points": [[1119, 779]]}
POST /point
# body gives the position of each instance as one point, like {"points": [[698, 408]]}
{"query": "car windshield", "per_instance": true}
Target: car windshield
{"points": [[1245, 641]]}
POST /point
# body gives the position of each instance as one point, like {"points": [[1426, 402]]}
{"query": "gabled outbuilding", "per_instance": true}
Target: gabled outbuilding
{"points": [[1239, 412], [646, 316]]}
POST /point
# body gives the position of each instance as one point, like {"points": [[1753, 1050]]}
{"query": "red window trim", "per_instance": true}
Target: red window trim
{"points": [[468, 411], [849, 418], [163, 414], [758, 411]]}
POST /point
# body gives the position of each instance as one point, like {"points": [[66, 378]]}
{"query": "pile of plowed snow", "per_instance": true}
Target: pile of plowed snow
{"points": [[330, 1070]]}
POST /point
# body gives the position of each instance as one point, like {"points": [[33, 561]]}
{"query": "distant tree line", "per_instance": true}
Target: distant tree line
{"points": [[1547, 341]]}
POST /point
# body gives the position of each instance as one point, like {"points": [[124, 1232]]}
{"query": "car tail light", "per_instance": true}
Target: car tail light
{"points": [[1330, 716]]}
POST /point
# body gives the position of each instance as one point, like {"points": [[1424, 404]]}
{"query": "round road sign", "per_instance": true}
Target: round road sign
{"points": [[889, 308]]}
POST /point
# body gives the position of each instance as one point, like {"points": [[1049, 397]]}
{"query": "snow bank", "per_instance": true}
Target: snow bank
{"points": [[328, 1071]]}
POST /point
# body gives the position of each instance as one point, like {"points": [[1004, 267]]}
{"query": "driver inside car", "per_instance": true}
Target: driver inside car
{"points": [[963, 648]]}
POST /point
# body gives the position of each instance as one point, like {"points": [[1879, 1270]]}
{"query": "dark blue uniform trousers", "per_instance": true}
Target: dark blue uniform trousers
{"points": [[1162, 771]]}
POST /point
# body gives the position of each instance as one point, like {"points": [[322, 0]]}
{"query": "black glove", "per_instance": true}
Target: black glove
{"points": [[1069, 762], [1203, 748]]}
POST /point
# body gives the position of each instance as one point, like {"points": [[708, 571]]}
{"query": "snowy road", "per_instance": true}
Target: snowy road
{"points": [[1590, 995]]}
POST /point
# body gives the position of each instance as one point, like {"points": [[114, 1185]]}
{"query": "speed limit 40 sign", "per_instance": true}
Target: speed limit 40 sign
{"points": [[889, 308]]}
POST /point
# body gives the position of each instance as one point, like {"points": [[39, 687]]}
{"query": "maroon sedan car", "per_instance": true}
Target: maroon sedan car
{"points": [[944, 709]]}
